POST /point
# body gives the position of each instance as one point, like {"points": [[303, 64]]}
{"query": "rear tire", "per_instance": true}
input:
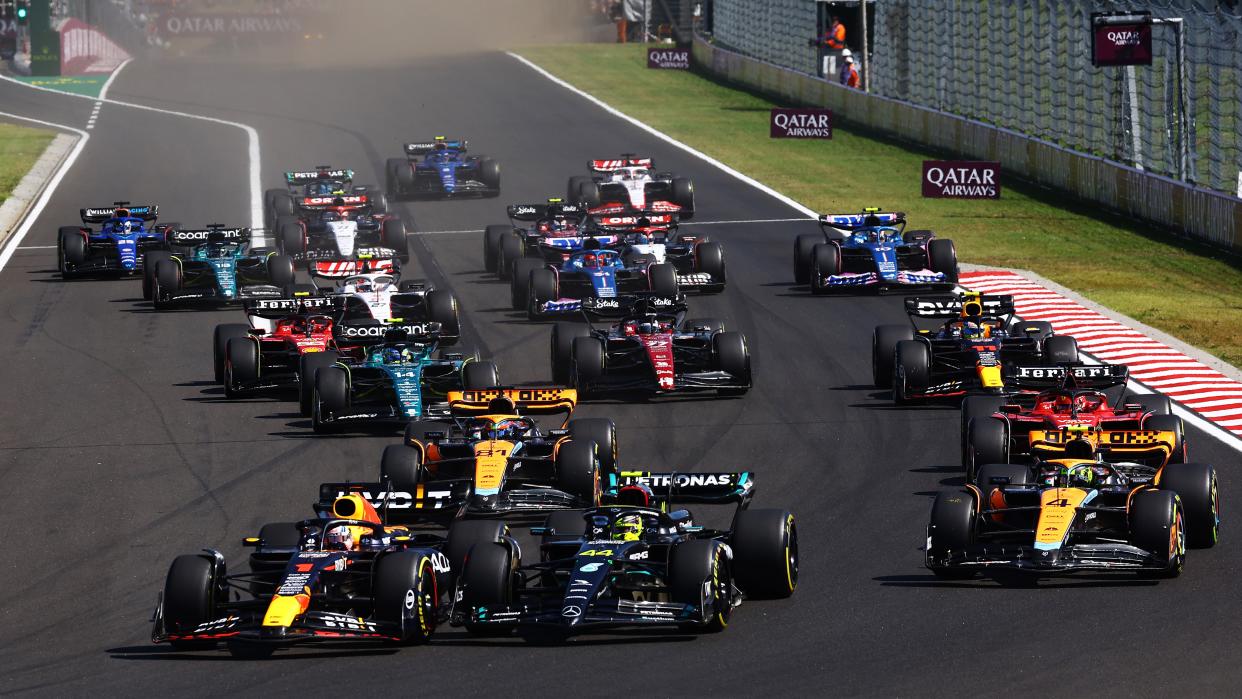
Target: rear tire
{"points": [[573, 190], [683, 196], [1155, 403], [589, 364], [465, 534], [976, 407], [280, 271], [562, 350], [987, 442], [442, 308], [765, 553], [602, 431], [662, 279], [393, 235], [884, 351], [1170, 423], [1060, 349], [511, 250], [492, 236], [487, 580], [291, 236], [942, 257], [479, 375]]}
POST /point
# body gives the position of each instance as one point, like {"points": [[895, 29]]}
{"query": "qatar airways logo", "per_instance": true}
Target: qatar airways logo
{"points": [[800, 123], [953, 179], [668, 59]]}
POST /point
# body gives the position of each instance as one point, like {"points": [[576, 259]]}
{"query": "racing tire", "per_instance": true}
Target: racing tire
{"points": [[167, 279], [393, 235], [1038, 330], [519, 281], [511, 250], [732, 356], [405, 593], [442, 308], [825, 262], [683, 196], [765, 553], [578, 470], [401, 467], [942, 257], [541, 288], [566, 525], [710, 326], [242, 364], [917, 236], [589, 194], [479, 375], [189, 596], [573, 190], [987, 442], [662, 279], [1060, 350], [911, 370], [486, 580], [1158, 525], [1196, 485], [331, 395], [952, 527], [72, 249], [220, 345], [1170, 423], [602, 431], [804, 245], [391, 184], [590, 363], [884, 351], [489, 175], [283, 535], [465, 534], [709, 259], [377, 199], [695, 566], [282, 205], [269, 196], [150, 260], [977, 407], [1155, 403], [492, 236], [280, 271], [403, 179], [290, 236], [308, 365], [562, 350]]}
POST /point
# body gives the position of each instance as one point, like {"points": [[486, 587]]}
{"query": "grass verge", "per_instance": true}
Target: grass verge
{"points": [[1190, 291], [20, 147]]}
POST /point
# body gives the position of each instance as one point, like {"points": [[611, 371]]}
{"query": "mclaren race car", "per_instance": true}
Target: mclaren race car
{"points": [[218, 265], [631, 181], [126, 233], [441, 169], [873, 251]]}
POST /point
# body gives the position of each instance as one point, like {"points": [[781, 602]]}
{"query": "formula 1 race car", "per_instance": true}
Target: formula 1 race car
{"points": [[218, 266], [1073, 514], [967, 354], [441, 169], [371, 289], [343, 227], [357, 571], [631, 181], [652, 235], [633, 564], [873, 250], [266, 353], [540, 231], [126, 233], [491, 458], [594, 280], [653, 349], [307, 192]]}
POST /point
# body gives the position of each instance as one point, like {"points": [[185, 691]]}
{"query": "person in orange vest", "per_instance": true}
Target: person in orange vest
{"points": [[834, 38], [849, 75]]}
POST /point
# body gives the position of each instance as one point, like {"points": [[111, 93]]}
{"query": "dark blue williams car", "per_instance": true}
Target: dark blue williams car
{"points": [[441, 169], [214, 265], [593, 279], [124, 235]]}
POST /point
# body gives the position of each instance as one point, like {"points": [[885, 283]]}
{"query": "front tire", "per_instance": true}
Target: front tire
{"points": [[825, 262], [405, 593], [699, 573], [951, 530], [884, 351], [578, 470], [765, 553], [308, 366]]}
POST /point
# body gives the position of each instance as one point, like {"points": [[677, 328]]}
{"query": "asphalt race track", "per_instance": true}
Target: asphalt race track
{"points": [[117, 453]]}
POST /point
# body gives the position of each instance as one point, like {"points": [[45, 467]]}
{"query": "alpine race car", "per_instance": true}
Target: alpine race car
{"points": [[873, 250], [126, 233], [540, 231], [491, 458], [371, 289], [358, 571], [634, 563], [341, 227], [1073, 514], [594, 281], [395, 381], [441, 169], [306, 192], [218, 266], [631, 181], [654, 349], [967, 353], [652, 235]]}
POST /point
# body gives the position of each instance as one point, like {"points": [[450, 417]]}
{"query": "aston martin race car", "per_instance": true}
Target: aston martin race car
{"points": [[652, 235], [540, 231], [492, 458], [307, 192], [1073, 514], [126, 233], [634, 563], [873, 251], [631, 181], [654, 349], [441, 169], [967, 353], [218, 266], [341, 228], [371, 289], [357, 571], [595, 281]]}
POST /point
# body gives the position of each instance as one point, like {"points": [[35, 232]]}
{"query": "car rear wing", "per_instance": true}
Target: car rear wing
{"points": [[1096, 377], [529, 400], [393, 331], [952, 306], [620, 217], [99, 214], [339, 200], [394, 506], [282, 308], [343, 269], [211, 234], [849, 222], [612, 165], [424, 147], [1130, 443], [553, 207], [323, 173], [716, 487]]}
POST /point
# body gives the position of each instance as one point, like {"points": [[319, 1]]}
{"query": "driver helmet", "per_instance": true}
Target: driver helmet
{"points": [[1090, 402], [590, 260], [1078, 476], [340, 538], [126, 225], [971, 330], [627, 527], [648, 325], [394, 355], [362, 284], [1062, 404], [331, 216], [558, 225]]}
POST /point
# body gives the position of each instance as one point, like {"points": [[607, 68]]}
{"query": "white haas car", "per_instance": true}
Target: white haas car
{"points": [[369, 294], [633, 182]]}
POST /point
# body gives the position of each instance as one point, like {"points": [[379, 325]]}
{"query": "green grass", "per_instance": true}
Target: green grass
{"points": [[20, 147], [1190, 291]]}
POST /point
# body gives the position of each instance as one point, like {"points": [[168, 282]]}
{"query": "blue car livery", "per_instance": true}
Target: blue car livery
{"points": [[873, 250], [118, 246], [442, 168], [595, 280]]}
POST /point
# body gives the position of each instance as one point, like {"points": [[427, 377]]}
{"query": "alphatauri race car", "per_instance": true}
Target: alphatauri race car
{"points": [[631, 181], [126, 233], [873, 251], [212, 266], [441, 169], [341, 228]]}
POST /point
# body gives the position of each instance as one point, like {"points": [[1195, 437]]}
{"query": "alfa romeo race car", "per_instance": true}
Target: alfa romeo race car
{"points": [[357, 571], [491, 457], [315, 189], [540, 231], [652, 235], [218, 266], [634, 563], [1073, 514], [872, 250], [341, 227], [371, 289], [631, 181], [967, 353], [441, 169], [594, 280], [126, 233], [654, 349]]}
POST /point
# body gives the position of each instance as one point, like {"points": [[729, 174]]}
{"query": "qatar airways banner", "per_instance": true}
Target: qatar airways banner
{"points": [[171, 25], [668, 59], [85, 50], [800, 123], [961, 179]]}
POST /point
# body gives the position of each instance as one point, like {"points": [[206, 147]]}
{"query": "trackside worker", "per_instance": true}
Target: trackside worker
{"points": [[834, 38], [849, 74]]}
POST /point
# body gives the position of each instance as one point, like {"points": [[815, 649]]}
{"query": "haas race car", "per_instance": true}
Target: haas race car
{"points": [[213, 265], [654, 349], [635, 562], [371, 289], [873, 251], [441, 169], [631, 181], [126, 233]]}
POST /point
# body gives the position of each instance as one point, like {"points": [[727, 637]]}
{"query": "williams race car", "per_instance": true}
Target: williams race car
{"points": [[873, 250], [631, 181], [126, 233], [441, 169], [595, 281], [218, 266], [633, 564]]}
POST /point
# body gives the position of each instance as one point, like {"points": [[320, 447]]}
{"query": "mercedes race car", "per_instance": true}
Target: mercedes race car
{"points": [[652, 235], [126, 233], [307, 192], [358, 571], [541, 231], [967, 353], [654, 349], [341, 228], [631, 181], [595, 281], [218, 266], [492, 458], [441, 169], [634, 563], [873, 251], [1073, 514]]}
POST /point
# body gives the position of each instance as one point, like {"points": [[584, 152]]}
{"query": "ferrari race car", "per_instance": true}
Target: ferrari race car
{"points": [[441, 169], [967, 353], [357, 571], [652, 235], [541, 231], [217, 266], [631, 181], [1074, 514], [126, 233], [307, 192], [594, 281], [872, 250], [633, 564], [266, 353], [371, 289], [654, 349], [491, 458]]}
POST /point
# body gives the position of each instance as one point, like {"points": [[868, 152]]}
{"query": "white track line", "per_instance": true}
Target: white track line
{"points": [[33, 214], [687, 223]]}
